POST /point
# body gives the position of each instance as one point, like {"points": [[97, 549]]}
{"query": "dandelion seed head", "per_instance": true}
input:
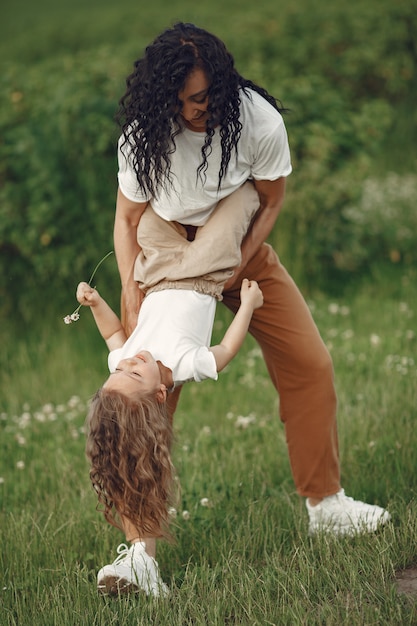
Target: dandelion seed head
{"points": [[1, 480], [20, 465], [74, 401], [186, 515], [205, 502], [244, 422], [172, 512], [375, 340]]}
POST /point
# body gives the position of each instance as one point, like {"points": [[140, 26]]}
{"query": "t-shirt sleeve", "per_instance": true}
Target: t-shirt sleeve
{"points": [[272, 157], [204, 365], [126, 176]]}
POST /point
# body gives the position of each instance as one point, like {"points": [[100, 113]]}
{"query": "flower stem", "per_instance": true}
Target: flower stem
{"points": [[98, 265]]}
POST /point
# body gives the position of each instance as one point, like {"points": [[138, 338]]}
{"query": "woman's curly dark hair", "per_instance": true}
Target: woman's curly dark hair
{"points": [[128, 446], [149, 110]]}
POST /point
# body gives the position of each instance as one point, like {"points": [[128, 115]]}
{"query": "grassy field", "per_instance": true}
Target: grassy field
{"points": [[245, 558]]}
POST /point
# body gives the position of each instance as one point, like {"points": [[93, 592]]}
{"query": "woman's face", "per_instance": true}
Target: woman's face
{"points": [[194, 101]]}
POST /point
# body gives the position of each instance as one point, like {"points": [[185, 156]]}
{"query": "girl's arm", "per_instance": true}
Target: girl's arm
{"points": [[106, 319], [251, 298]]}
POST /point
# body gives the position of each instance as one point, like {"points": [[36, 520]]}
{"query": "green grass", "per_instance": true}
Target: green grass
{"points": [[246, 558]]}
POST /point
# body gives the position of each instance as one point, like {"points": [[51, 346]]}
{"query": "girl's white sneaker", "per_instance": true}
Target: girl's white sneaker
{"points": [[133, 571]]}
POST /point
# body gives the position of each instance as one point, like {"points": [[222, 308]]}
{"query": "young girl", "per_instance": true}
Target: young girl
{"points": [[130, 431]]}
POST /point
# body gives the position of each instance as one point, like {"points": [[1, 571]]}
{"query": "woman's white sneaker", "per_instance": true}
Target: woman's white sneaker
{"points": [[133, 571], [340, 515]]}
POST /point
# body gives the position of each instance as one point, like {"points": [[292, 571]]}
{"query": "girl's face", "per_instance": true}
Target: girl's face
{"points": [[194, 101], [138, 374]]}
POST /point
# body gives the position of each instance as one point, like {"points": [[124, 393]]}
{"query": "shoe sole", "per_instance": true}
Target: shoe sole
{"points": [[113, 586]]}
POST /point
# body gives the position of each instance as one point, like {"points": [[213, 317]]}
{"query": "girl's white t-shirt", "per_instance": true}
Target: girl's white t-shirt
{"points": [[175, 326], [263, 154]]}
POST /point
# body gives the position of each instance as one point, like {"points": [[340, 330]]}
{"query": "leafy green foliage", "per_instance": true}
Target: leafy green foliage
{"points": [[343, 71]]}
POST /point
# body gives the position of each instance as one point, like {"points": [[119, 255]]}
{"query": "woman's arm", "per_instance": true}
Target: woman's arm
{"points": [[271, 196], [126, 248]]}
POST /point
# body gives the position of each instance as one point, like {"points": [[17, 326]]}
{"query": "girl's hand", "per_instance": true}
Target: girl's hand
{"points": [[251, 294], [86, 295]]}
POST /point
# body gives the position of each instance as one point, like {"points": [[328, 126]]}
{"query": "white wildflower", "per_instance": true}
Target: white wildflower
{"points": [[186, 515], [172, 512], [244, 421], [20, 465], [375, 340], [205, 502]]}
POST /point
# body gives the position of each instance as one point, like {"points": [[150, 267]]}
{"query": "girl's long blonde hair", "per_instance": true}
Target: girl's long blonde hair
{"points": [[128, 446]]}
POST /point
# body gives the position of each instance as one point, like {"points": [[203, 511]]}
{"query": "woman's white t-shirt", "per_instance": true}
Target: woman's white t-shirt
{"points": [[263, 154]]}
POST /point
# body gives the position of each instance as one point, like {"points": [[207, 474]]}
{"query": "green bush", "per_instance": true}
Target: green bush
{"points": [[58, 169], [343, 71]]}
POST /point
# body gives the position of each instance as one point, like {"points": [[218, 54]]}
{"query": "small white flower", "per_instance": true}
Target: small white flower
{"points": [[73, 401], [172, 512], [375, 340], [1, 480], [244, 422], [205, 502], [67, 319], [75, 316], [20, 465], [186, 515], [333, 308]]}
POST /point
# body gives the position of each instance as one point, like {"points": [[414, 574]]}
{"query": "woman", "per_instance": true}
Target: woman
{"points": [[193, 131]]}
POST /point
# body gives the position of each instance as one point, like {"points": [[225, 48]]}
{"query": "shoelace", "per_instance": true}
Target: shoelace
{"points": [[122, 551]]}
